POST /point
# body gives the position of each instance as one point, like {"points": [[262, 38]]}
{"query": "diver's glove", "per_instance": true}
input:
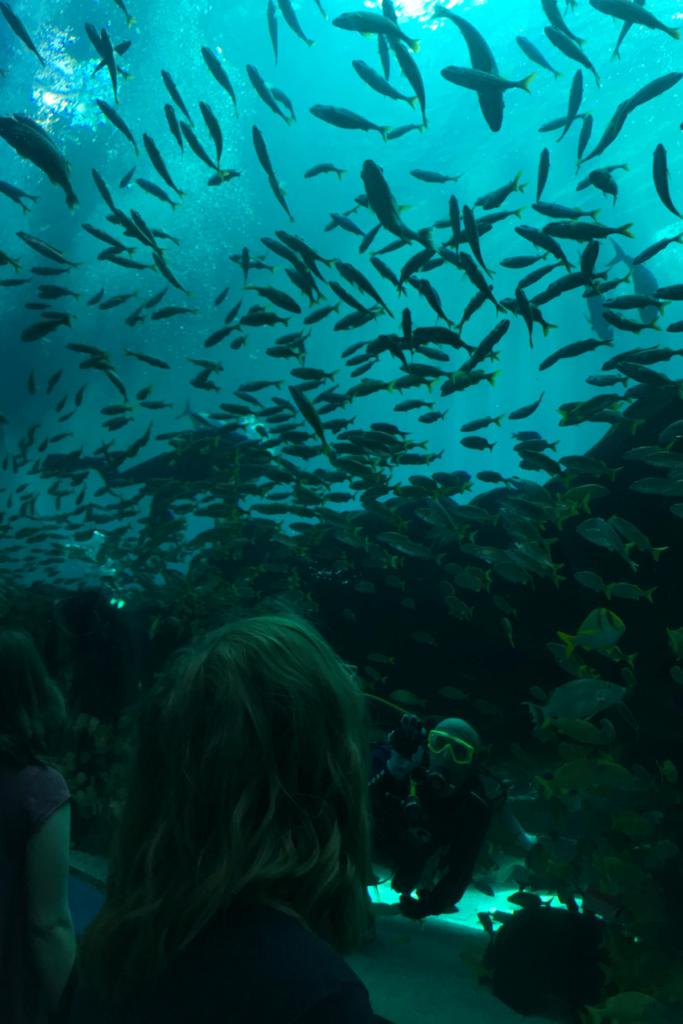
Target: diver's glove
{"points": [[417, 910], [409, 743]]}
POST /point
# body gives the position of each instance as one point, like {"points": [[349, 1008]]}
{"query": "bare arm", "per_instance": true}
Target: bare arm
{"points": [[54, 954]]}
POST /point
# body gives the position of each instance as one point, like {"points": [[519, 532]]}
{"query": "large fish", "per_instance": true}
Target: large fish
{"points": [[482, 59], [35, 145]]}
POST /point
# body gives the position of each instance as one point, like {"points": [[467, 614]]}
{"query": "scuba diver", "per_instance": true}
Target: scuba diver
{"points": [[430, 823]]}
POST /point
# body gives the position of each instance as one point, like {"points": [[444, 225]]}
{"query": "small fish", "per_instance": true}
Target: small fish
{"points": [[211, 122], [172, 120], [660, 174], [16, 195], [19, 29], [340, 117], [313, 172], [126, 179], [159, 165], [629, 591], [590, 580], [543, 168], [569, 48], [434, 177], [107, 54], [175, 95], [477, 443], [482, 81], [380, 84], [129, 20], [397, 133], [53, 381], [371, 23], [265, 93], [534, 54], [310, 414], [284, 99], [575, 96], [272, 26], [197, 148], [526, 410], [219, 73], [154, 190], [422, 638], [601, 630], [46, 250], [118, 122], [290, 17]]}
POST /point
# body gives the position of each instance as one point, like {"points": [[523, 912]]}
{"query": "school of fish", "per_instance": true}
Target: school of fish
{"points": [[266, 471]]}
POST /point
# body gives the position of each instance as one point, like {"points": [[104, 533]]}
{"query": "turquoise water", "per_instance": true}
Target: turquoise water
{"points": [[211, 223]]}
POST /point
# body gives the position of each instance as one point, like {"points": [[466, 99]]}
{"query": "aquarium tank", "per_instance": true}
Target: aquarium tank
{"points": [[375, 311]]}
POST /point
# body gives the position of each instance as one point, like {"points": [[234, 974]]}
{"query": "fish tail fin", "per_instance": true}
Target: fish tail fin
{"points": [[653, 325], [181, 193], [175, 206], [624, 230], [656, 552], [384, 131], [414, 45], [524, 84], [674, 33], [187, 411], [558, 74], [636, 424], [518, 213], [339, 174], [497, 419], [412, 102], [594, 213], [425, 236]]}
